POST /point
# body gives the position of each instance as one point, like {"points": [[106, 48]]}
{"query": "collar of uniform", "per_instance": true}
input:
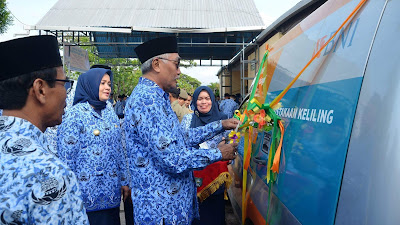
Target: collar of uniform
{"points": [[22, 127], [174, 103], [150, 83], [88, 107]]}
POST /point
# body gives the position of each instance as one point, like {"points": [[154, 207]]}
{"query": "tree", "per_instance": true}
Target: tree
{"points": [[188, 83], [215, 87], [125, 79], [126, 72], [5, 17]]}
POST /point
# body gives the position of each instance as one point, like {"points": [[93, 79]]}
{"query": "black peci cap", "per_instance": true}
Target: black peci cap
{"points": [[100, 66], [25, 55], [156, 47]]}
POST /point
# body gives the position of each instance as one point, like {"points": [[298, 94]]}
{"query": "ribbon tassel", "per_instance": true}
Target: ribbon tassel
{"points": [[277, 157]]}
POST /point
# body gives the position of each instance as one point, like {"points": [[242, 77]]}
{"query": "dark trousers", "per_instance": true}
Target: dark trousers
{"points": [[104, 217], [212, 210], [128, 208]]}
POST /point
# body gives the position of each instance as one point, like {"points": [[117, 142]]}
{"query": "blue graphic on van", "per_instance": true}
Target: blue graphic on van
{"points": [[342, 37], [314, 152]]}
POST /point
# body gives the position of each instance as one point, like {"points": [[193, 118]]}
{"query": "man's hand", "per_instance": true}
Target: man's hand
{"points": [[228, 151], [230, 124], [126, 192]]}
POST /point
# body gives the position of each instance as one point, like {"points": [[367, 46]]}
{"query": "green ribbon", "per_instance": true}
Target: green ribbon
{"points": [[276, 135]]}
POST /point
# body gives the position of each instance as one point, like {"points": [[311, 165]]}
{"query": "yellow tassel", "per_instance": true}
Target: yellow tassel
{"points": [[212, 187]]}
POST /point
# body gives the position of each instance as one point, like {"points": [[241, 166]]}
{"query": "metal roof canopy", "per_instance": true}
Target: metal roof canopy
{"points": [[204, 46], [206, 29]]}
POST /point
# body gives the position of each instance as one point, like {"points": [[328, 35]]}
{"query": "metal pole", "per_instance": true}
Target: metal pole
{"points": [[242, 71], [220, 82], [69, 61]]}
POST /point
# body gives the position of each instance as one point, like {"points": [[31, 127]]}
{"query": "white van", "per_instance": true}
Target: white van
{"points": [[340, 161]]}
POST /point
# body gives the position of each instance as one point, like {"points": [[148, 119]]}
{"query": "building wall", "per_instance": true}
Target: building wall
{"points": [[236, 79], [250, 69], [225, 80]]}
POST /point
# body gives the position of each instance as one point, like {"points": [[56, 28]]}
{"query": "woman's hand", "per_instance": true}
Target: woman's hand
{"points": [[230, 124]]}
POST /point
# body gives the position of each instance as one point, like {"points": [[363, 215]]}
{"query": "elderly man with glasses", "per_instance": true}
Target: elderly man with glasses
{"points": [[161, 161]]}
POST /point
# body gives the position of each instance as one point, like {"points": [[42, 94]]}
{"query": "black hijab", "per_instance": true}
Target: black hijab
{"points": [[201, 119], [87, 89]]}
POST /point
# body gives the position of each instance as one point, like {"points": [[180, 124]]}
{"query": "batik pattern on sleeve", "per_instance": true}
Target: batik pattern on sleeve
{"points": [[211, 142], [35, 186]]}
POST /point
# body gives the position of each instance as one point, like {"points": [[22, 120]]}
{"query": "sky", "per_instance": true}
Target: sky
{"points": [[29, 12]]}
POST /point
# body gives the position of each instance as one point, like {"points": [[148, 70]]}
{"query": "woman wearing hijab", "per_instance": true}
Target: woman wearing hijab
{"points": [[213, 181], [89, 141]]}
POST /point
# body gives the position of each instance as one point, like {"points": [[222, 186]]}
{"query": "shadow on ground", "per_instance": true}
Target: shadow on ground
{"points": [[230, 217]]}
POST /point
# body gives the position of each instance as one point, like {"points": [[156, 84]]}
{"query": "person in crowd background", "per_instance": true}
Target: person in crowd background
{"points": [[188, 100], [89, 141], [213, 181], [233, 97], [228, 105], [238, 98], [183, 96], [161, 161], [36, 187], [218, 100], [187, 103], [176, 107], [120, 107]]}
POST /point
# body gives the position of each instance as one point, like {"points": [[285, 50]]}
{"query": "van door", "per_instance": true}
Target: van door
{"points": [[371, 184], [318, 113]]}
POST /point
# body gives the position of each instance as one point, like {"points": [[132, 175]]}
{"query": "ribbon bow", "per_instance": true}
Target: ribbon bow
{"points": [[234, 137]]}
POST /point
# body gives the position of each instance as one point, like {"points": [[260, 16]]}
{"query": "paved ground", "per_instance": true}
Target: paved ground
{"points": [[230, 217], [122, 214]]}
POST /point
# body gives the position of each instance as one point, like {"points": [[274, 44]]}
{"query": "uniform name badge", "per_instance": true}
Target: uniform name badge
{"points": [[199, 181]]}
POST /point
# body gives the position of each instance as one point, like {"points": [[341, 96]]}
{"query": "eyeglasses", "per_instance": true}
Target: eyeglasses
{"points": [[68, 83], [178, 61]]}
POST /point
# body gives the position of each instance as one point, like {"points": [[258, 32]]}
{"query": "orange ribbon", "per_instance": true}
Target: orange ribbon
{"points": [[280, 96], [248, 153], [277, 158]]}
